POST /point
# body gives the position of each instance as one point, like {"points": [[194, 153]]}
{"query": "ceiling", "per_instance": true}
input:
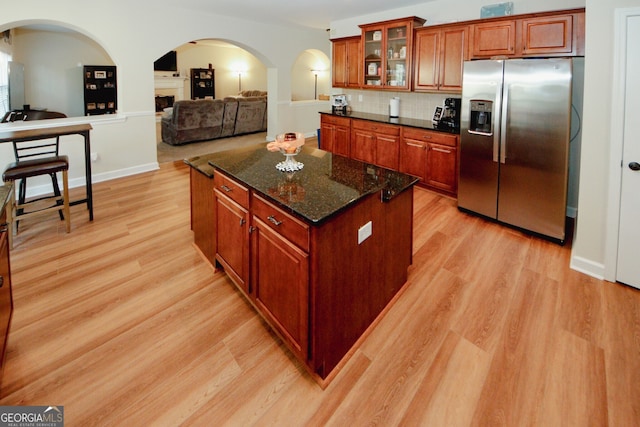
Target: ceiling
{"points": [[305, 13]]}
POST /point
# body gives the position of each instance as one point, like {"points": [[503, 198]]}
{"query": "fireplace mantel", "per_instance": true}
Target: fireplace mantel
{"points": [[170, 86]]}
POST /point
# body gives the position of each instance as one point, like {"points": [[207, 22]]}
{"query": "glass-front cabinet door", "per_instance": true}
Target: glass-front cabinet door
{"points": [[387, 48]]}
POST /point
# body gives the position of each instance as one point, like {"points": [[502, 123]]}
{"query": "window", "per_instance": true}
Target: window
{"points": [[4, 82]]}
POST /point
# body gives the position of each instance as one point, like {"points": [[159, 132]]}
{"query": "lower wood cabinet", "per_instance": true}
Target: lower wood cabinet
{"points": [[375, 143], [6, 298], [280, 273], [442, 167], [432, 157], [232, 221], [316, 285], [335, 134]]}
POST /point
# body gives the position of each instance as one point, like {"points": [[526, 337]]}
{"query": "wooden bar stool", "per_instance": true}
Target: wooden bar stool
{"points": [[23, 169]]}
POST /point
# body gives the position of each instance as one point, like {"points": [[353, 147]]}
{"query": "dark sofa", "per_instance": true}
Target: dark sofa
{"points": [[206, 119]]}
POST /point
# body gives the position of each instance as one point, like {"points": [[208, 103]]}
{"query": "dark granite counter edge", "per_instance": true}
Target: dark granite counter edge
{"points": [[401, 121], [202, 165]]}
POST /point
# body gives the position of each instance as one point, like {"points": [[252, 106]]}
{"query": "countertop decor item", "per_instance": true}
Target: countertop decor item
{"points": [[288, 144]]}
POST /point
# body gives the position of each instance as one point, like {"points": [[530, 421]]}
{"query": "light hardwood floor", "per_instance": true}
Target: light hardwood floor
{"points": [[123, 323]]}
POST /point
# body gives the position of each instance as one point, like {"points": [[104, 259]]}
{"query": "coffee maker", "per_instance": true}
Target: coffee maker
{"points": [[450, 116], [339, 104]]}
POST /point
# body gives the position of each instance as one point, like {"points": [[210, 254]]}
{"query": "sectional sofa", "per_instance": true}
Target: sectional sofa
{"points": [[205, 119]]}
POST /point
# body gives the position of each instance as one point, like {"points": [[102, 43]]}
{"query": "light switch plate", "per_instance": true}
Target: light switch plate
{"points": [[364, 232]]}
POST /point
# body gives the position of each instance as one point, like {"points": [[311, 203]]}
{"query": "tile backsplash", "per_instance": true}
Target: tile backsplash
{"points": [[413, 105]]}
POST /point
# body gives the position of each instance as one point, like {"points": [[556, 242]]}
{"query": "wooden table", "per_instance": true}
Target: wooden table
{"points": [[55, 132]]}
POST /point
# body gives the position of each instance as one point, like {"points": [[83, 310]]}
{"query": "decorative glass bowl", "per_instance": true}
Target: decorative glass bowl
{"points": [[289, 144]]}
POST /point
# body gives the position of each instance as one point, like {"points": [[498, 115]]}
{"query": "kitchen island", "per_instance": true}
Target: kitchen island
{"points": [[320, 252]]}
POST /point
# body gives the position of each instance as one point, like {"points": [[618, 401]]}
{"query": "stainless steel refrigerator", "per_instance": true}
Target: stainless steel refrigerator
{"points": [[514, 142]]}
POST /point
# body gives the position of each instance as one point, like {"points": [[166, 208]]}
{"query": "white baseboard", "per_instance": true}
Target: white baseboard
{"points": [[588, 267], [42, 189]]}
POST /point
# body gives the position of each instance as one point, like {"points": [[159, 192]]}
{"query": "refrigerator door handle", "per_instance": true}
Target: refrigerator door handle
{"points": [[496, 120], [475, 132], [504, 116]]}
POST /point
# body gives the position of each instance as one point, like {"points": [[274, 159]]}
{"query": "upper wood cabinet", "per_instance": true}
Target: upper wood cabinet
{"points": [[387, 53], [440, 53], [346, 62], [553, 35], [540, 34], [493, 39]]}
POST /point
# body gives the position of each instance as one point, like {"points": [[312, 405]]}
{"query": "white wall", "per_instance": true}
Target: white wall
{"points": [[53, 63], [590, 243], [134, 34], [133, 43], [226, 60]]}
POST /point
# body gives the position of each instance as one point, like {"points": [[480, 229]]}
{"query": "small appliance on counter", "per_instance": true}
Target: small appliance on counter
{"points": [[339, 104], [447, 116]]}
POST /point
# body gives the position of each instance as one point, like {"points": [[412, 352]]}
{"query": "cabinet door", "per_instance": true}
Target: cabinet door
{"points": [[342, 140], [327, 136], [387, 151], [441, 167], [454, 50], [280, 277], [547, 35], [232, 240], [397, 47], [427, 53], [353, 62], [339, 63], [363, 145], [335, 134], [493, 38], [413, 158]]}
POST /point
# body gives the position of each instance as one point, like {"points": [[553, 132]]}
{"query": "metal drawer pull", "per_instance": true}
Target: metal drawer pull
{"points": [[225, 188], [273, 220], [440, 150], [242, 221], [415, 145], [1, 281]]}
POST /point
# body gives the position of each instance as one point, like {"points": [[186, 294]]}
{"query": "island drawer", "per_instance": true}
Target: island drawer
{"points": [[231, 188], [376, 127], [284, 224], [430, 136]]}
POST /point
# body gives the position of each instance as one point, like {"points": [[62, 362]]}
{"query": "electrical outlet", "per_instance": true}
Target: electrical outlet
{"points": [[94, 157], [359, 98], [364, 232]]}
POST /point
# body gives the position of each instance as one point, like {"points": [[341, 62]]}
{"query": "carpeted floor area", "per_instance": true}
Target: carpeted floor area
{"points": [[171, 153]]}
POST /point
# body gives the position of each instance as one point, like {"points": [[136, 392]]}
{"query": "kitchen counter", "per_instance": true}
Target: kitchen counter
{"points": [[401, 121], [326, 185], [320, 253]]}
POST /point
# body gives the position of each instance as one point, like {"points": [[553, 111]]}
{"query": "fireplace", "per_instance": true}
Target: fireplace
{"points": [[164, 101], [168, 90]]}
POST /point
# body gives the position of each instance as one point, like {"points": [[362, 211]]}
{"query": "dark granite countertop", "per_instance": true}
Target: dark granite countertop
{"points": [[326, 185], [381, 118]]}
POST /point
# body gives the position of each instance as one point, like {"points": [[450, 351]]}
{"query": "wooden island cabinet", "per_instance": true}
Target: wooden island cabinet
{"points": [[6, 297], [328, 246]]}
